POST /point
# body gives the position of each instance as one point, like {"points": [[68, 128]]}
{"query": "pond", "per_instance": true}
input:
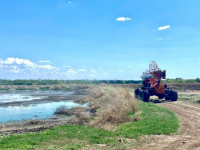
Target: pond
{"points": [[36, 110], [14, 97]]}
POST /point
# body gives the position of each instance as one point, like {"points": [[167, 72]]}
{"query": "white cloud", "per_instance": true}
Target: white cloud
{"points": [[69, 2], [17, 65], [121, 70], [123, 19], [104, 73], [67, 66], [15, 69], [82, 70], [16, 61], [92, 70], [44, 61], [48, 67], [164, 27], [159, 39], [71, 71], [129, 66]]}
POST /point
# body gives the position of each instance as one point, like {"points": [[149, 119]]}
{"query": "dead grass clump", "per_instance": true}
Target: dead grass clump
{"points": [[115, 103], [77, 110], [74, 120], [61, 110], [94, 107], [34, 121], [83, 117], [78, 114], [1, 127], [80, 118], [95, 92], [82, 100], [78, 86], [69, 111], [80, 92]]}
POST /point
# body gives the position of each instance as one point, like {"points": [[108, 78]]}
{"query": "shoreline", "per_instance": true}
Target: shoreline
{"points": [[36, 124]]}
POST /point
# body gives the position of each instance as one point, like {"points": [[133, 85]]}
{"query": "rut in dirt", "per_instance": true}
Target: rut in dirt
{"points": [[189, 138]]}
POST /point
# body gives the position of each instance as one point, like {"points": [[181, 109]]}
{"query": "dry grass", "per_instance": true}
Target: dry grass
{"points": [[108, 105], [61, 110], [184, 86], [82, 100], [112, 105], [69, 111], [80, 118], [34, 121], [79, 115]]}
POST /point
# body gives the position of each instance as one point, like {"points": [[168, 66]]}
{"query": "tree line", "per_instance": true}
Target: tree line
{"points": [[51, 82]]}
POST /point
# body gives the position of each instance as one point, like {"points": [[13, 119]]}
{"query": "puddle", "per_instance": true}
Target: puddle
{"points": [[25, 95], [37, 111], [24, 111], [4, 98]]}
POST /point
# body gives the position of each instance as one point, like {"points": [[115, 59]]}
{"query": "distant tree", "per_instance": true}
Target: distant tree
{"points": [[124, 82]]}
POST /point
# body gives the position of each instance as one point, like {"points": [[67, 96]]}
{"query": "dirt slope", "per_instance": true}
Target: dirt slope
{"points": [[189, 138]]}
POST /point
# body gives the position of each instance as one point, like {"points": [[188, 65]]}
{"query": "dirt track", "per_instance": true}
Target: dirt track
{"points": [[189, 137]]}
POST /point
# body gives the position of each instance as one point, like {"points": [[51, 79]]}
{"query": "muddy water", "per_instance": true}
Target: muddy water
{"points": [[15, 97], [31, 109]]}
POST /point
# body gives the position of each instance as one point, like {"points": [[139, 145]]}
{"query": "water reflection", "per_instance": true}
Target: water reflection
{"points": [[4, 98], [39, 111], [35, 109]]}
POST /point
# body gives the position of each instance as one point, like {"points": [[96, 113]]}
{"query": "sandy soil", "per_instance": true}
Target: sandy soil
{"points": [[189, 138]]}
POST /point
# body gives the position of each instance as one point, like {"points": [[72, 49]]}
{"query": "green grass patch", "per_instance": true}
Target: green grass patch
{"points": [[44, 88], [189, 98], [63, 136], [21, 88], [155, 120]]}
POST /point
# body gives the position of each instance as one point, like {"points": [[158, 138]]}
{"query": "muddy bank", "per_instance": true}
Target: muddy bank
{"points": [[45, 87], [47, 97], [98, 112], [24, 127], [44, 96]]}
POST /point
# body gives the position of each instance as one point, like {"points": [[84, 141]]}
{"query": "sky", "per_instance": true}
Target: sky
{"points": [[98, 39]]}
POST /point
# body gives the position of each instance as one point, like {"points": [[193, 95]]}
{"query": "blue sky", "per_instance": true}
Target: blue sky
{"points": [[98, 39]]}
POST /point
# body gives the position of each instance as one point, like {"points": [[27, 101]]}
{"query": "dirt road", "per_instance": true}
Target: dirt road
{"points": [[189, 138]]}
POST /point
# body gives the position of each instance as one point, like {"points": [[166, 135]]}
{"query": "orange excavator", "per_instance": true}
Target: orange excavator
{"points": [[152, 85]]}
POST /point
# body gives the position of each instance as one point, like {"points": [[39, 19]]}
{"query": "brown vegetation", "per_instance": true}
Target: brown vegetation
{"points": [[69, 111], [110, 105], [80, 118], [34, 121], [45, 87], [107, 105], [79, 115], [184, 86]]}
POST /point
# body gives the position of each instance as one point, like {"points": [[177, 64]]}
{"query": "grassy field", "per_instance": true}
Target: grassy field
{"points": [[190, 98], [151, 119]]}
